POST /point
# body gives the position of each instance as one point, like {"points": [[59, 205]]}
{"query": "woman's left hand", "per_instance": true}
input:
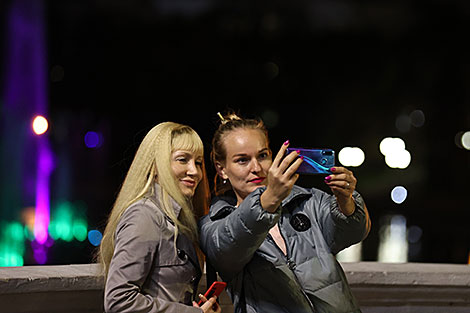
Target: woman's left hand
{"points": [[342, 183]]}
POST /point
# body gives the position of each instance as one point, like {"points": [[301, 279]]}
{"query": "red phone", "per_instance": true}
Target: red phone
{"points": [[215, 290]]}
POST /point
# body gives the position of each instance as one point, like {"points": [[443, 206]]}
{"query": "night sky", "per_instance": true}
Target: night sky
{"points": [[320, 73]]}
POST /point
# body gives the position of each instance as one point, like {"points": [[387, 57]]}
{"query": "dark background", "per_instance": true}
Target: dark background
{"points": [[320, 73]]}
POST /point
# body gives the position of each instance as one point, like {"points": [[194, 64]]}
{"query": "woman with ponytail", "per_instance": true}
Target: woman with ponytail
{"points": [[149, 252], [274, 242]]}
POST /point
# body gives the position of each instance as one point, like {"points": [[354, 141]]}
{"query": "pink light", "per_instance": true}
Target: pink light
{"points": [[45, 166]]}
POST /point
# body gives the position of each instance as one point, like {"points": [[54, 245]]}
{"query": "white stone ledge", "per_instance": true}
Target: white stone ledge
{"points": [[27, 279], [410, 287], [379, 287]]}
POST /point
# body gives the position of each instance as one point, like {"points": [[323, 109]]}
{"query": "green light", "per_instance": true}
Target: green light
{"points": [[80, 229], [11, 244], [10, 257], [53, 230], [62, 222], [15, 231]]}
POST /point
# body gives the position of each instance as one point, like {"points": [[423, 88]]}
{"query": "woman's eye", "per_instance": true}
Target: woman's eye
{"points": [[199, 163], [263, 155], [241, 160], [181, 160]]}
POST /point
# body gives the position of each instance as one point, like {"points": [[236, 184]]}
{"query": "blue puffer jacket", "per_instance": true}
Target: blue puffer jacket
{"points": [[260, 277]]}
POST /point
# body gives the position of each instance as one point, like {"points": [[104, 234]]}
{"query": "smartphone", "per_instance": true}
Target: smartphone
{"points": [[316, 161], [215, 290]]}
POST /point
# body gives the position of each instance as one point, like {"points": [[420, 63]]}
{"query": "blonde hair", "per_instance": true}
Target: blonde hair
{"points": [[152, 160]]}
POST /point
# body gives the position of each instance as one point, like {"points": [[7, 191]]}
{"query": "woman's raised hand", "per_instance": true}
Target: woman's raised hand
{"points": [[342, 183], [281, 178]]}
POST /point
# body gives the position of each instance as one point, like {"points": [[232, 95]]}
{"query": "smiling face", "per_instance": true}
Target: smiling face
{"points": [[187, 168], [247, 161]]}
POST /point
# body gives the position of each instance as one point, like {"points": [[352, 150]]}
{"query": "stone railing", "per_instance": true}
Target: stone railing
{"points": [[379, 287]]}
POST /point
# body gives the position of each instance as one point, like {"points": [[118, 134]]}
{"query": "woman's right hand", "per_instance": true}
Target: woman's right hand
{"points": [[209, 306], [281, 178]]}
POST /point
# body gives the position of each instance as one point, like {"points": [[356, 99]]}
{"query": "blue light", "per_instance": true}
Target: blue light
{"points": [[93, 139], [95, 236]]}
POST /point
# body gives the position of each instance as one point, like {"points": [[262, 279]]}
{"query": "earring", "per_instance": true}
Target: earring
{"points": [[224, 181]]}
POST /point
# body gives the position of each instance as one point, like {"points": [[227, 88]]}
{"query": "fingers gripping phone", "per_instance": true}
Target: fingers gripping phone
{"points": [[316, 161], [214, 290]]}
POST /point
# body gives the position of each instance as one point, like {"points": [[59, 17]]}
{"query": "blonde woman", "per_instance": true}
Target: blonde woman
{"points": [[149, 251]]}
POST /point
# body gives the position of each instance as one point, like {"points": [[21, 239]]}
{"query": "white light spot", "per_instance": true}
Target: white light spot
{"points": [[399, 194], [40, 125], [351, 156], [466, 140]]}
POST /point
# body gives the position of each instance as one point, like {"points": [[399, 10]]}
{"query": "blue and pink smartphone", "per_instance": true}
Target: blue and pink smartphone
{"points": [[316, 161]]}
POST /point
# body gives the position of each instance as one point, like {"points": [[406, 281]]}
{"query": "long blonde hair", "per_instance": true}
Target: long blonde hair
{"points": [[152, 160]]}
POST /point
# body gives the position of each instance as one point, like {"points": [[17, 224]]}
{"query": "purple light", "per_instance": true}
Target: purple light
{"points": [[93, 139], [40, 255], [44, 169]]}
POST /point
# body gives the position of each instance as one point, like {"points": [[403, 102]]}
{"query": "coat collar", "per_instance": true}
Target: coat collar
{"points": [[155, 196]]}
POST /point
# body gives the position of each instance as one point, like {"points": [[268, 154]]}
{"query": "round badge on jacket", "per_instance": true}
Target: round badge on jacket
{"points": [[300, 222]]}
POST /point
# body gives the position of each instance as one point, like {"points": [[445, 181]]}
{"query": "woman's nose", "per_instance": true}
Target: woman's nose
{"points": [[256, 167], [192, 168]]}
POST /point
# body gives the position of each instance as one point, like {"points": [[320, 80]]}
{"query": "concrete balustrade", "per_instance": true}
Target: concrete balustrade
{"points": [[379, 287]]}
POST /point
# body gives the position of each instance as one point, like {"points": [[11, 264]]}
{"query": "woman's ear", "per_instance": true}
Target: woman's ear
{"points": [[220, 170]]}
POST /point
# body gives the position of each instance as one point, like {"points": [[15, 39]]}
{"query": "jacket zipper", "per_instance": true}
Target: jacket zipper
{"points": [[290, 263]]}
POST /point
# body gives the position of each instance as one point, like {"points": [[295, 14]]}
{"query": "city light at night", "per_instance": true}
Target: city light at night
{"points": [[40, 125]]}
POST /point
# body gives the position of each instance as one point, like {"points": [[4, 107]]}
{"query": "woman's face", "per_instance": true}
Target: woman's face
{"points": [[187, 168], [247, 161]]}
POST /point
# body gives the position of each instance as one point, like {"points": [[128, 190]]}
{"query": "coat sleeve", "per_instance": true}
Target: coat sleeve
{"points": [[136, 244], [339, 230], [230, 242]]}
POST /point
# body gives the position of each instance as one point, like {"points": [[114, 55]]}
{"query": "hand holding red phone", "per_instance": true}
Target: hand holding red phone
{"points": [[208, 301]]}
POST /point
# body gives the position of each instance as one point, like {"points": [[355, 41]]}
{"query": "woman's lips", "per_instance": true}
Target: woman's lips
{"points": [[189, 183], [257, 180]]}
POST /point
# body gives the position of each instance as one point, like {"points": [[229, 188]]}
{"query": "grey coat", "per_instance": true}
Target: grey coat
{"points": [[147, 273], [260, 277]]}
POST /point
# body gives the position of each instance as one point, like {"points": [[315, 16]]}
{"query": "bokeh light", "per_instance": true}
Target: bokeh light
{"points": [[399, 159], [393, 246], [389, 145], [465, 140], [95, 236], [399, 194], [11, 244], [61, 224], [40, 125], [403, 123], [351, 156], [396, 156], [93, 139], [414, 234], [80, 229], [417, 118], [40, 255]]}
